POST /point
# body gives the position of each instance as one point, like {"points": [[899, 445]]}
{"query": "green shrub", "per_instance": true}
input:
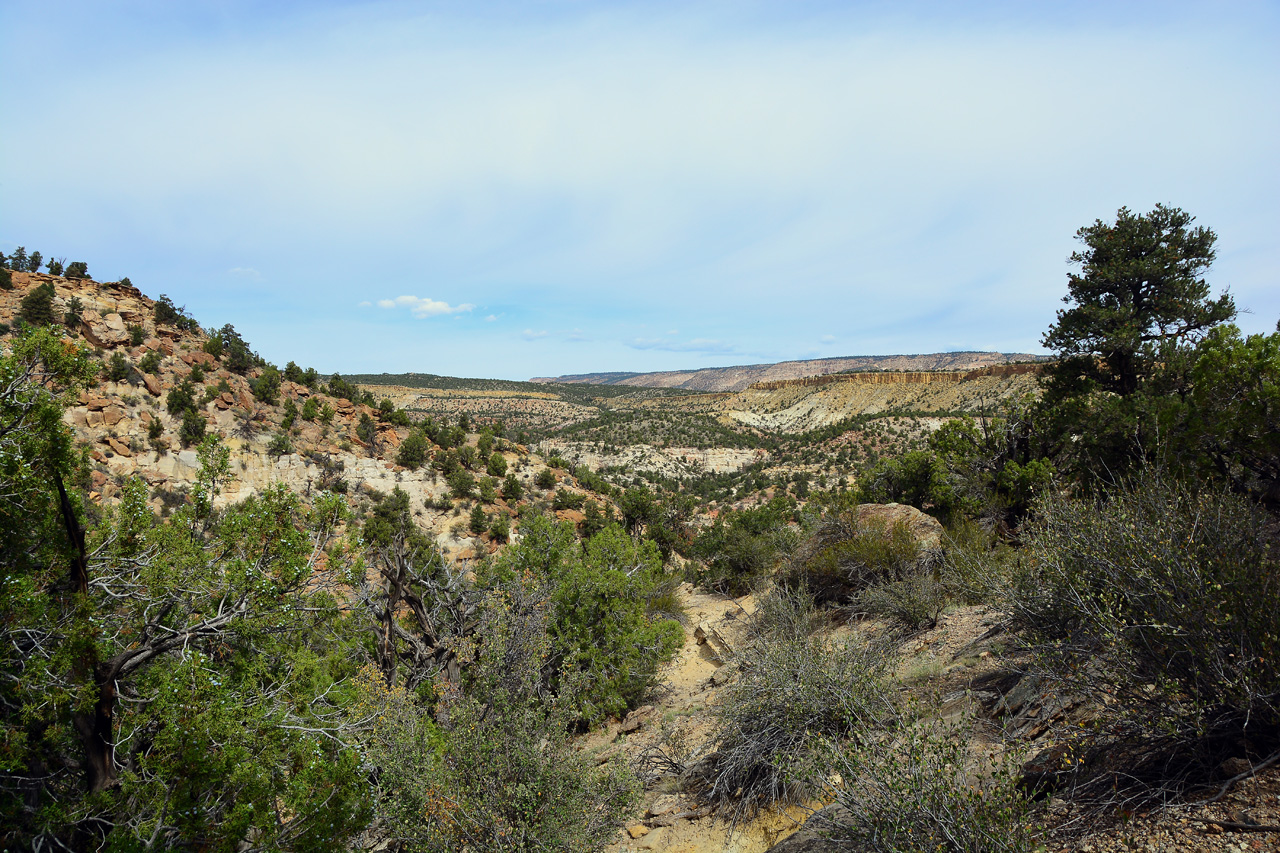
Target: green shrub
{"points": [[844, 556], [497, 772], [913, 602], [266, 388], [497, 465], [367, 430], [918, 791], [488, 490], [500, 530], [478, 522], [512, 491], [742, 546], [193, 427], [565, 499], [150, 362], [1161, 599], [136, 335], [213, 346], [771, 723], [118, 367], [75, 307], [181, 398], [462, 483], [280, 445], [412, 452], [36, 308], [602, 624], [77, 269], [311, 411], [545, 479], [607, 641]]}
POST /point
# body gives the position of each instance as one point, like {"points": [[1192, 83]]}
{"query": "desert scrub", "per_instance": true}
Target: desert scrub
{"points": [[920, 790], [876, 568], [844, 556], [492, 769], [913, 602], [771, 723], [743, 546], [1167, 599]]}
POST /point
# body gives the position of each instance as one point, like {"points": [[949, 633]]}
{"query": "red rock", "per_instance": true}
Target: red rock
{"points": [[112, 415], [118, 446], [152, 384]]}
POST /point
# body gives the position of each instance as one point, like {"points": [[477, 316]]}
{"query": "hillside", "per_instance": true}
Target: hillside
{"points": [[305, 434], [739, 377]]}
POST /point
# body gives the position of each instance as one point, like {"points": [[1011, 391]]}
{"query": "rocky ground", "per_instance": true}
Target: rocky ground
{"points": [[961, 664]]}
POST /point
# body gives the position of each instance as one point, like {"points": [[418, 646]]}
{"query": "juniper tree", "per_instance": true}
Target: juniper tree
{"points": [[1140, 286]]}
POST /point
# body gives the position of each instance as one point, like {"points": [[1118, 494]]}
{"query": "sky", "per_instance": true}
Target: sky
{"points": [[517, 189]]}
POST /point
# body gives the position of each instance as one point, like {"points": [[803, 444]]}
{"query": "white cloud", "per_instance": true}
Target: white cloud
{"points": [[491, 318], [531, 335], [425, 307], [364, 304], [699, 345], [246, 272]]}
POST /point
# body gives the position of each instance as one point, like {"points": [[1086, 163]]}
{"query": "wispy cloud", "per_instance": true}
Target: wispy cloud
{"points": [[425, 307], [739, 172], [700, 345]]}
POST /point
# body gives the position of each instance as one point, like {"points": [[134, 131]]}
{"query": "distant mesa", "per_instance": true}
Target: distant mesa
{"points": [[741, 377]]}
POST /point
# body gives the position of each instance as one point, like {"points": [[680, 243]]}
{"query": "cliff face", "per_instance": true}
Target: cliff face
{"points": [[744, 376], [915, 377]]}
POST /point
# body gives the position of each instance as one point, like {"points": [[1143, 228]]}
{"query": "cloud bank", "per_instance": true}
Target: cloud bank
{"points": [[425, 307]]}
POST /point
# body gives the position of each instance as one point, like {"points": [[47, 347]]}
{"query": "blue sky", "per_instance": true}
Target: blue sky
{"points": [[531, 188]]}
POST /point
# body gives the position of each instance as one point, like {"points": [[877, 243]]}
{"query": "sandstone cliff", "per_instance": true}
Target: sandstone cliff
{"points": [[742, 376]]}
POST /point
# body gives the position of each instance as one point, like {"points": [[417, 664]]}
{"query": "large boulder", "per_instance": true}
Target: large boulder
{"points": [[925, 529], [105, 332]]}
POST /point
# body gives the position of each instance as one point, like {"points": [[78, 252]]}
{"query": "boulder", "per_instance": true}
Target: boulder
{"points": [[926, 529], [707, 635], [105, 332], [118, 446], [152, 384], [199, 357], [94, 402], [112, 415]]}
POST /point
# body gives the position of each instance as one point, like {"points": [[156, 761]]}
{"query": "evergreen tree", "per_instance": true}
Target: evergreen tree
{"points": [[1140, 286], [36, 307], [77, 269], [479, 522], [33, 262]]}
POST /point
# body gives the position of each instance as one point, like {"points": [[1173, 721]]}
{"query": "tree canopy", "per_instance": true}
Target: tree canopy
{"points": [[1140, 285]]}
